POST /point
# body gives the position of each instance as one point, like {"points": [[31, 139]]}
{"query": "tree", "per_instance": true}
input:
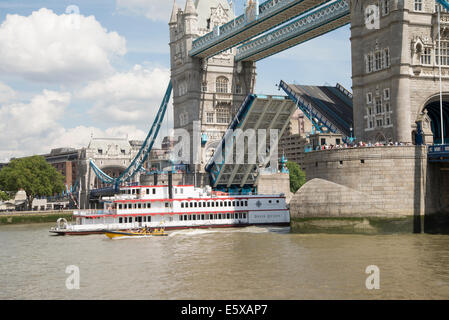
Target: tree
{"points": [[4, 196], [297, 176], [32, 174]]}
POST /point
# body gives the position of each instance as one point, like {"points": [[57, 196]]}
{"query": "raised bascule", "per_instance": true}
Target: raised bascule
{"points": [[396, 60]]}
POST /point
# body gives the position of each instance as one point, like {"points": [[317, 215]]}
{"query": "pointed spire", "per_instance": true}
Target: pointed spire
{"points": [[174, 13], [190, 7]]}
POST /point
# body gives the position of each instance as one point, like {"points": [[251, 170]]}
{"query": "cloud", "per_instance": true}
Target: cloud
{"points": [[131, 97], [34, 127], [25, 127], [156, 10], [46, 47], [6, 93]]}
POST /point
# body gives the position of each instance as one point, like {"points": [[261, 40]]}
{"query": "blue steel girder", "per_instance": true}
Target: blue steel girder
{"points": [[312, 113], [143, 152], [271, 13], [305, 28], [444, 3]]}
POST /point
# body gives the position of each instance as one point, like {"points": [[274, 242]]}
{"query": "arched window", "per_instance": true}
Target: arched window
{"points": [[222, 85]]}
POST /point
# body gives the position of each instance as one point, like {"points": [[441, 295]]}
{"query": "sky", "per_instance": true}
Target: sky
{"points": [[73, 70]]}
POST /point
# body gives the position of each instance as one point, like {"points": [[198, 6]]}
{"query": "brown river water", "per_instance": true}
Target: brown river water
{"points": [[248, 263]]}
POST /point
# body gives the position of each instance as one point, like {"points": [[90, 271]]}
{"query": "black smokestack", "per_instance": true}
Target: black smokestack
{"points": [[170, 185]]}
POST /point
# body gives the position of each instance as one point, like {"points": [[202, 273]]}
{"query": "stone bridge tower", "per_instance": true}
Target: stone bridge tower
{"points": [[395, 69], [211, 90]]}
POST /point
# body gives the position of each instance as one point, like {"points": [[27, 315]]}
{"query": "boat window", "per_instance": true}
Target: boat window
{"points": [[139, 206], [269, 201], [195, 204], [208, 204], [130, 219], [246, 202], [182, 190], [138, 191], [120, 220], [166, 204], [120, 206], [147, 191], [154, 191], [191, 204], [185, 217], [202, 217], [228, 216], [277, 201], [182, 204], [180, 217], [233, 203], [149, 219], [244, 215], [176, 190], [212, 204], [194, 217]]}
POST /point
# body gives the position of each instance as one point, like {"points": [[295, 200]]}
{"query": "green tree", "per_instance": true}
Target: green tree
{"points": [[4, 196], [297, 176], [32, 174]]}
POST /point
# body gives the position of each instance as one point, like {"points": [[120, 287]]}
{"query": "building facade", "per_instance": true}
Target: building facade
{"points": [[205, 91], [395, 68]]}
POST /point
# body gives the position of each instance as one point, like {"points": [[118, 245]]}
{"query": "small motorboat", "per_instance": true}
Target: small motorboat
{"points": [[136, 233]]}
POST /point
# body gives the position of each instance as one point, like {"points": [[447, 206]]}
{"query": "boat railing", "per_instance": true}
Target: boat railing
{"points": [[88, 212]]}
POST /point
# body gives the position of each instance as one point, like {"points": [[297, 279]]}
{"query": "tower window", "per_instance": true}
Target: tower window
{"points": [[222, 85], [210, 117], [387, 57], [426, 57], [385, 7], [223, 115], [444, 58], [418, 5]]}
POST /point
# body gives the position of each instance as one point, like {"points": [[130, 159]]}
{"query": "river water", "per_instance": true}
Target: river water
{"points": [[248, 263]]}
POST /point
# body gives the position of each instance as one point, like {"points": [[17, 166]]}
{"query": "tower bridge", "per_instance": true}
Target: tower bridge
{"points": [[395, 72]]}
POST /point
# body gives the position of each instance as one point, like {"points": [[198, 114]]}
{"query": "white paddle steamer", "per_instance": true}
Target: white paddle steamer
{"points": [[177, 207]]}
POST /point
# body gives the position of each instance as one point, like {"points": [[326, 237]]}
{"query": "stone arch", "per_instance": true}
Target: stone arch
{"points": [[429, 119], [380, 137]]}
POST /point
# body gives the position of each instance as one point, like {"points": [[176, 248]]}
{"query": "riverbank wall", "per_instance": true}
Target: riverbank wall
{"points": [[370, 190], [26, 217]]}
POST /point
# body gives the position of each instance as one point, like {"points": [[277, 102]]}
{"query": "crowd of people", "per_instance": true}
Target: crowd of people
{"points": [[361, 144]]}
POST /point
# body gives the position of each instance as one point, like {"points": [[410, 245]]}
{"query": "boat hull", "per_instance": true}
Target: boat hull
{"points": [[87, 232]]}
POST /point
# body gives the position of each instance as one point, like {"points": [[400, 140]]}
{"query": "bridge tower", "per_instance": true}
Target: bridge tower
{"points": [[208, 90], [395, 69]]}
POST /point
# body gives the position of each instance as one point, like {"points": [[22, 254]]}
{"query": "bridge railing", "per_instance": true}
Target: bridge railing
{"points": [[238, 24], [439, 149], [300, 26], [344, 90]]}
